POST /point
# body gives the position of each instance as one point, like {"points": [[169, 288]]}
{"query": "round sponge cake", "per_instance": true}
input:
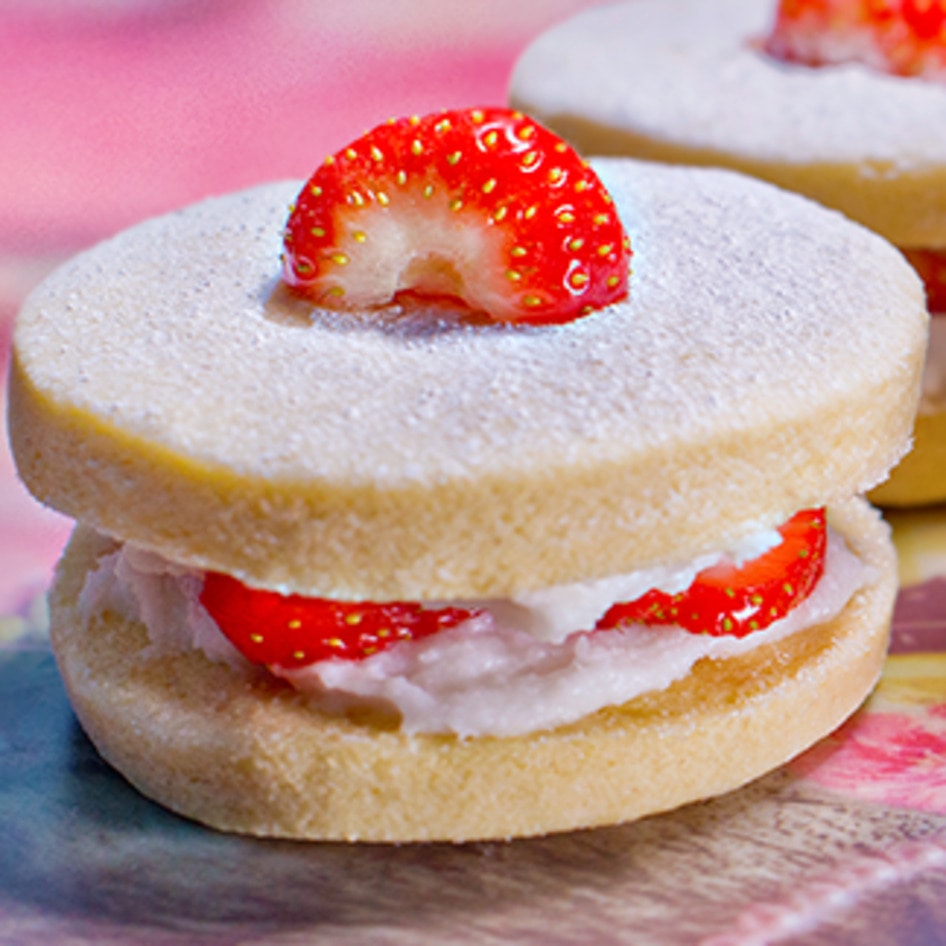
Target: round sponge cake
{"points": [[248, 755], [164, 390], [687, 81]]}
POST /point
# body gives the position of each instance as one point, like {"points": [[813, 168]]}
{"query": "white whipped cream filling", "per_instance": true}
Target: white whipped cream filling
{"points": [[522, 666]]}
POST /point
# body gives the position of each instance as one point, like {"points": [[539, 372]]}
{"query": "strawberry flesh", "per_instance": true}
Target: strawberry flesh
{"points": [[481, 205], [738, 600], [931, 267], [292, 631], [902, 37]]}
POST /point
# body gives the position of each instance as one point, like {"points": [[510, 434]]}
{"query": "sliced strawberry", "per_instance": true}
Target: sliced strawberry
{"points": [[726, 599], [484, 205], [903, 37], [293, 631], [931, 267]]}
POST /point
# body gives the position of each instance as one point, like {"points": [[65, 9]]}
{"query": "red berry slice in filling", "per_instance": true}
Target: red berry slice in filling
{"points": [[931, 267], [903, 37], [484, 205], [293, 631], [726, 599]]}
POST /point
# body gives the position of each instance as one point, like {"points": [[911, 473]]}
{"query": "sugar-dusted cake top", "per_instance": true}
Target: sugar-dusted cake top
{"points": [[693, 73], [169, 390], [179, 332]]}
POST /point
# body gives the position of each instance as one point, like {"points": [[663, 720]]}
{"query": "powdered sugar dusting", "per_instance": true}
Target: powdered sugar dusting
{"points": [[173, 332], [692, 72]]}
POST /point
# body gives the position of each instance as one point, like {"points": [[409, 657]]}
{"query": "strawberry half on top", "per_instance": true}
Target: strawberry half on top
{"points": [[902, 37], [292, 631], [482, 205]]}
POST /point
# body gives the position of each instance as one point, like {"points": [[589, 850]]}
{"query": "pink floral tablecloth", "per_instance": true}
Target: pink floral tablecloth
{"points": [[112, 110]]}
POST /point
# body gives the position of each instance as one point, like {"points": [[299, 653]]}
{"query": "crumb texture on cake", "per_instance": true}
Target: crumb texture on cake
{"points": [[246, 754], [163, 390], [687, 81]]}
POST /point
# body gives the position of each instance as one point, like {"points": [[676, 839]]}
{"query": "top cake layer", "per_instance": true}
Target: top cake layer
{"points": [[687, 80], [167, 390]]}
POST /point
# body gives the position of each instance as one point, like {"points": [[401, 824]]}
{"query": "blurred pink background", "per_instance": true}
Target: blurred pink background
{"points": [[114, 110]]}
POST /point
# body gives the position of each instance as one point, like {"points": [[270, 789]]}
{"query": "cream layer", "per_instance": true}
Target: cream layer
{"points": [[512, 669]]}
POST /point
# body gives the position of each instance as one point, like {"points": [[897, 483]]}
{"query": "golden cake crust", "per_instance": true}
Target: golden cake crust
{"points": [[246, 754]]}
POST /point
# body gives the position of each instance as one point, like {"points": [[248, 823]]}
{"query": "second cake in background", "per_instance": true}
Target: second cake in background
{"points": [[693, 82]]}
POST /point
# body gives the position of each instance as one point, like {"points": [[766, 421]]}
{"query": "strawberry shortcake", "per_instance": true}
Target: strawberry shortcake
{"points": [[468, 490], [841, 100]]}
